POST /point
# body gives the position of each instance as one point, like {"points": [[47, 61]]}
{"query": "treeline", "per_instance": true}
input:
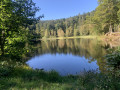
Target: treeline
{"points": [[73, 26], [104, 19]]}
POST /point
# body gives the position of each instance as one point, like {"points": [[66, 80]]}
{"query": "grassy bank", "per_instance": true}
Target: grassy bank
{"points": [[23, 78]]}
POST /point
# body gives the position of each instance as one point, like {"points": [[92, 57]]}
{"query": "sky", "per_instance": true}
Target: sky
{"points": [[57, 9]]}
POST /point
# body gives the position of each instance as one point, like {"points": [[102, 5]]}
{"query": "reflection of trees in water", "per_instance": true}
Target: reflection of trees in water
{"points": [[91, 49], [61, 43], [82, 47]]}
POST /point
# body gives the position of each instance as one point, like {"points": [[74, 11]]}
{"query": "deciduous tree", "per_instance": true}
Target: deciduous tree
{"points": [[15, 14]]}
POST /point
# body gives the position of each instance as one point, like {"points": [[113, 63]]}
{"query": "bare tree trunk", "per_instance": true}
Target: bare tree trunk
{"points": [[113, 28], [110, 28], [2, 49], [118, 28], [2, 42]]}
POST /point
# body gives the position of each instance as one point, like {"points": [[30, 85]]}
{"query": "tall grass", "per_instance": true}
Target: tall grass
{"points": [[24, 78]]}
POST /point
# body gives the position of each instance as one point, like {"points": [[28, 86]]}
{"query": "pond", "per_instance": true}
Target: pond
{"points": [[70, 56]]}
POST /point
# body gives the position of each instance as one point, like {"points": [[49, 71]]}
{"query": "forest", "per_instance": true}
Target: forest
{"points": [[24, 36], [105, 18], [18, 22]]}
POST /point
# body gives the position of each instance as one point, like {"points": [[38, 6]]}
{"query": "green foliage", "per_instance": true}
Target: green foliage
{"points": [[114, 58], [14, 15], [106, 15], [113, 61], [26, 78]]}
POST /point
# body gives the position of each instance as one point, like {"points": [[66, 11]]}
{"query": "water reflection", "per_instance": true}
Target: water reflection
{"points": [[69, 55], [63, 63]]}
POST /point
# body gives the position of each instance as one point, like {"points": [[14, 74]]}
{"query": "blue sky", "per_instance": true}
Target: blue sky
{"points": [[57, 9]]}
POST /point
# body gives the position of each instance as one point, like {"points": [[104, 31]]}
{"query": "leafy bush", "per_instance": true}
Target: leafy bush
{"points": [[113, 62]]}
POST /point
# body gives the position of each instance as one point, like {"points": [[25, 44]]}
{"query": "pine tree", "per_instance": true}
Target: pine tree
{"points": [[106, 15]]}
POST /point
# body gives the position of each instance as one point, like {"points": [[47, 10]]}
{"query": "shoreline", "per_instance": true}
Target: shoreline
{"points": [[113, 41], [86, 37]]}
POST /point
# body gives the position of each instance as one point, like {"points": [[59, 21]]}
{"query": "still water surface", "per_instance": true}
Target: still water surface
{"points": [[70, 56]]}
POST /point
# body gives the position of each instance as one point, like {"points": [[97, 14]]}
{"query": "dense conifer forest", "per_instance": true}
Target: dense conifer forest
{"points": [[24, 36], [105, 18]]}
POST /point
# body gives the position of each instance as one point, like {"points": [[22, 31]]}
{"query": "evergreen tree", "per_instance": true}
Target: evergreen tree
{"points": [[106, 15]]}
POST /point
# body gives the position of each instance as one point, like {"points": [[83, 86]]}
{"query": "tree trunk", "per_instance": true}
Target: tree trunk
{"points": [[2, 49], [2, 43], [110, 28], [113, 28], [118, 28]]}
